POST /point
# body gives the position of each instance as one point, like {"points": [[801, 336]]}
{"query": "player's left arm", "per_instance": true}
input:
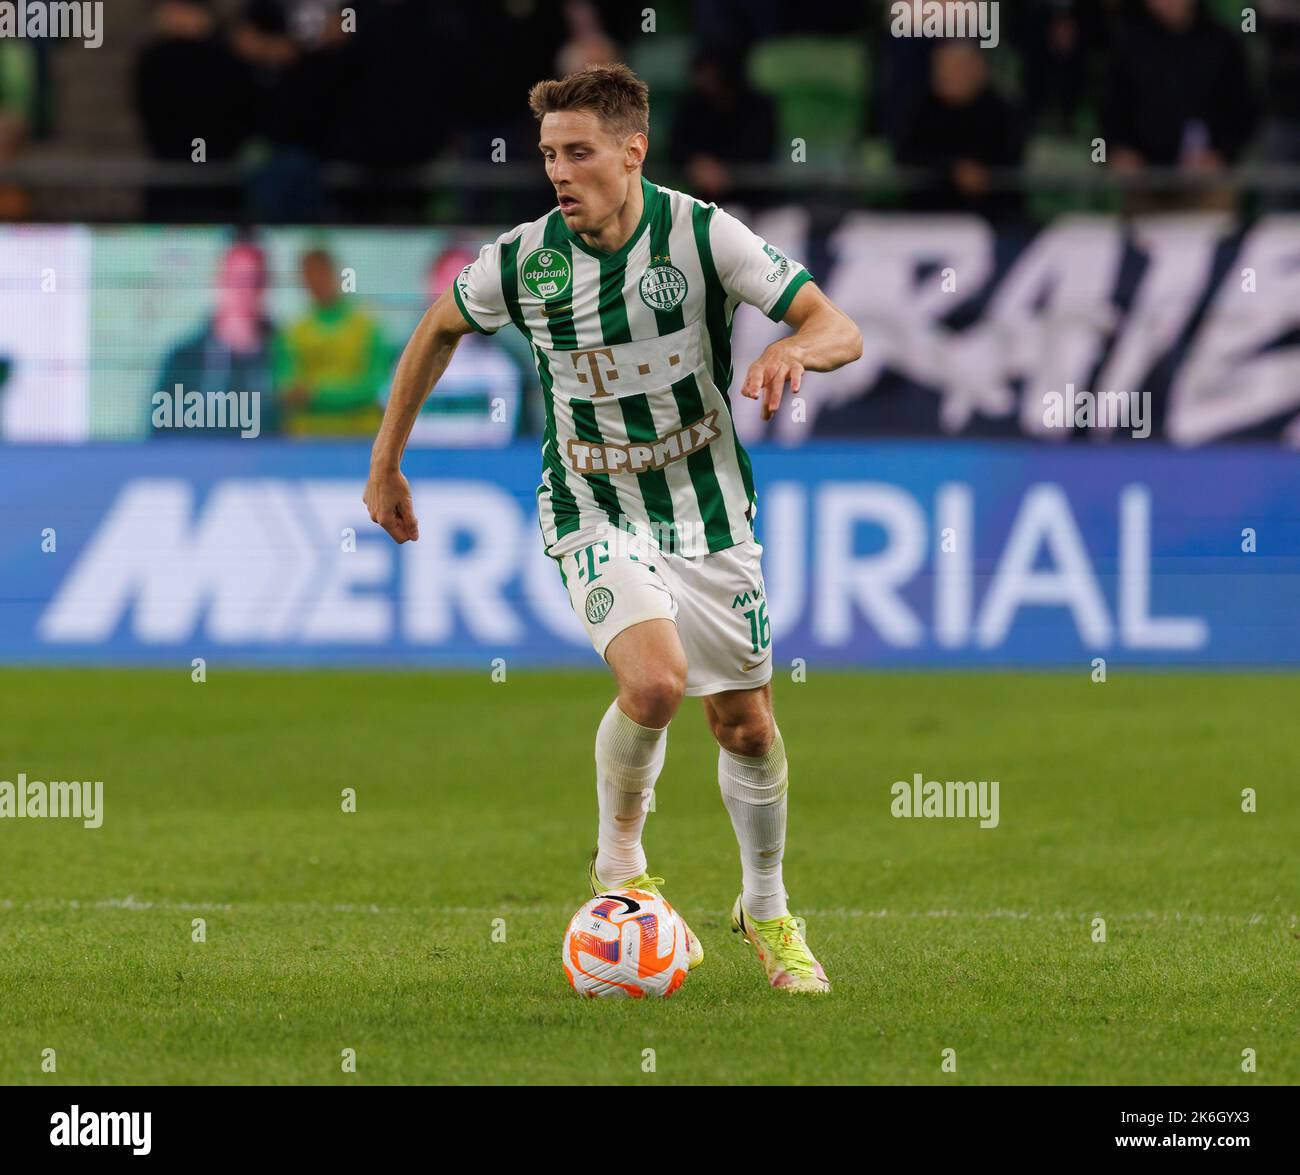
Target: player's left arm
{"points": [[825, 338]]}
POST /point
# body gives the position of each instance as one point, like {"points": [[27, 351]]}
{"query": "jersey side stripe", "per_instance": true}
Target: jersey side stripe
{"points": [[719, 329], [637, 419], [559, 310], [587, 430], [726, 467], [592, 501], [663, 414], [566, 516], [690, 406], [661, 226], [717, 530], [653, 483], [563, 506], [582, 412], [703, 475], [614, 327]]}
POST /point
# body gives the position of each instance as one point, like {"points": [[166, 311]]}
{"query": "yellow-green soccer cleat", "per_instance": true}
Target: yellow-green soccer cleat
{"points": [[694, 951], [785, 956]]}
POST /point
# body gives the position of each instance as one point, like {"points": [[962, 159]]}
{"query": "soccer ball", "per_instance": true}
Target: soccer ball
{"points": [[625, 943]]}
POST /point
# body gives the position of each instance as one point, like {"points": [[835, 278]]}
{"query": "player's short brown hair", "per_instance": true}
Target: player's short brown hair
{"points": [[613, 93]]}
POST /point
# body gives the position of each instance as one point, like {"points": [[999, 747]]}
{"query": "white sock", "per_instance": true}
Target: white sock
{"points": [[629, 758], [754, 792]]}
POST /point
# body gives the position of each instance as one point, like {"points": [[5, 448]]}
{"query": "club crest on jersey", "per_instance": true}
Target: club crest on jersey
{"points": [[546, 273], [663, 287], [599, 601]]}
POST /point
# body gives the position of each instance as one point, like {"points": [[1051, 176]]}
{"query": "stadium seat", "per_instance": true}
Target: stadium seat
{"points": [[1229, 11], [663, 112], [819, 85], [876, 158], [18, 80], [663, 62], [1055, 153]]}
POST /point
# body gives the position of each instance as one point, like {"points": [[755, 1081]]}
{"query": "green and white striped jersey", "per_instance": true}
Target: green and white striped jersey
{"points": [[633, 350]]}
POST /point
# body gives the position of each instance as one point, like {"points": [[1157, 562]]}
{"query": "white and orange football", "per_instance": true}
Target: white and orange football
{"points": [[625, 943]]}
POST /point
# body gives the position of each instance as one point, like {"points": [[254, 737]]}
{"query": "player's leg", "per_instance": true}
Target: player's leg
{"points": [[649, 668], [627, 608], [753, 777], [724, 628]]}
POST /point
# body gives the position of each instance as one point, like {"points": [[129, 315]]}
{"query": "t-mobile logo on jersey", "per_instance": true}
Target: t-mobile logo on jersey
{"points": [[597, 377], [637, 458]]}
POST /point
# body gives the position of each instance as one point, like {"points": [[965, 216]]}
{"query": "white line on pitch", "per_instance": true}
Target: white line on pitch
{"points": [[131, 902]]}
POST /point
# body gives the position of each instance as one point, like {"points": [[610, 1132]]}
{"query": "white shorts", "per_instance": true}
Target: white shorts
{"points": [[717, 601]]}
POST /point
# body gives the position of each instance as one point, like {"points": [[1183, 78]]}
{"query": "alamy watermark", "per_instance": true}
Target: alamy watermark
{"points": [[952, 798], [946, 18], [1117, 410], [64, 20], [215, 410], [78, 1127], [58, 799]]}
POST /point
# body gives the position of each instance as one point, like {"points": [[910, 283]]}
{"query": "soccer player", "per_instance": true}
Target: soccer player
{"points": [[626, 292]]}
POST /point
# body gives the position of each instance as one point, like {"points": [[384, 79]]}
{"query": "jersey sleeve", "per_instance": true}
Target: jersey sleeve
{"points": [[752, 270], [477, 290]]}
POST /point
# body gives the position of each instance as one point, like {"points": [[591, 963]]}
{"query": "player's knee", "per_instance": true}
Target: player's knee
{"points": [[751, 736], [653, 699]]}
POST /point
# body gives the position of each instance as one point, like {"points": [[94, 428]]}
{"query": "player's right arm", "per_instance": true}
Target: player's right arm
{"points": [[427, 353], [474, 301]]}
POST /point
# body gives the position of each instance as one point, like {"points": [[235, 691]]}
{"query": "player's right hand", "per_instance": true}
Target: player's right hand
{"points": [[388, 497]]}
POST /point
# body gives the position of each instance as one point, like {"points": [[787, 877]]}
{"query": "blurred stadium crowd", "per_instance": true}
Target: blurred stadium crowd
{"points": [[399, 120], [310, 130]]}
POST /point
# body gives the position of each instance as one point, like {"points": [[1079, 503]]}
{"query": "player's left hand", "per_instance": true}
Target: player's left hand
{"points": [[769, 374]]}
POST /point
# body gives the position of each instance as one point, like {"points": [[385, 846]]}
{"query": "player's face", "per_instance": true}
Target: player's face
{"points": [[589, 167]]}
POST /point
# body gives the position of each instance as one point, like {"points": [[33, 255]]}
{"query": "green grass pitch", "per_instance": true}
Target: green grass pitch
{"points": [[373, 931]]}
